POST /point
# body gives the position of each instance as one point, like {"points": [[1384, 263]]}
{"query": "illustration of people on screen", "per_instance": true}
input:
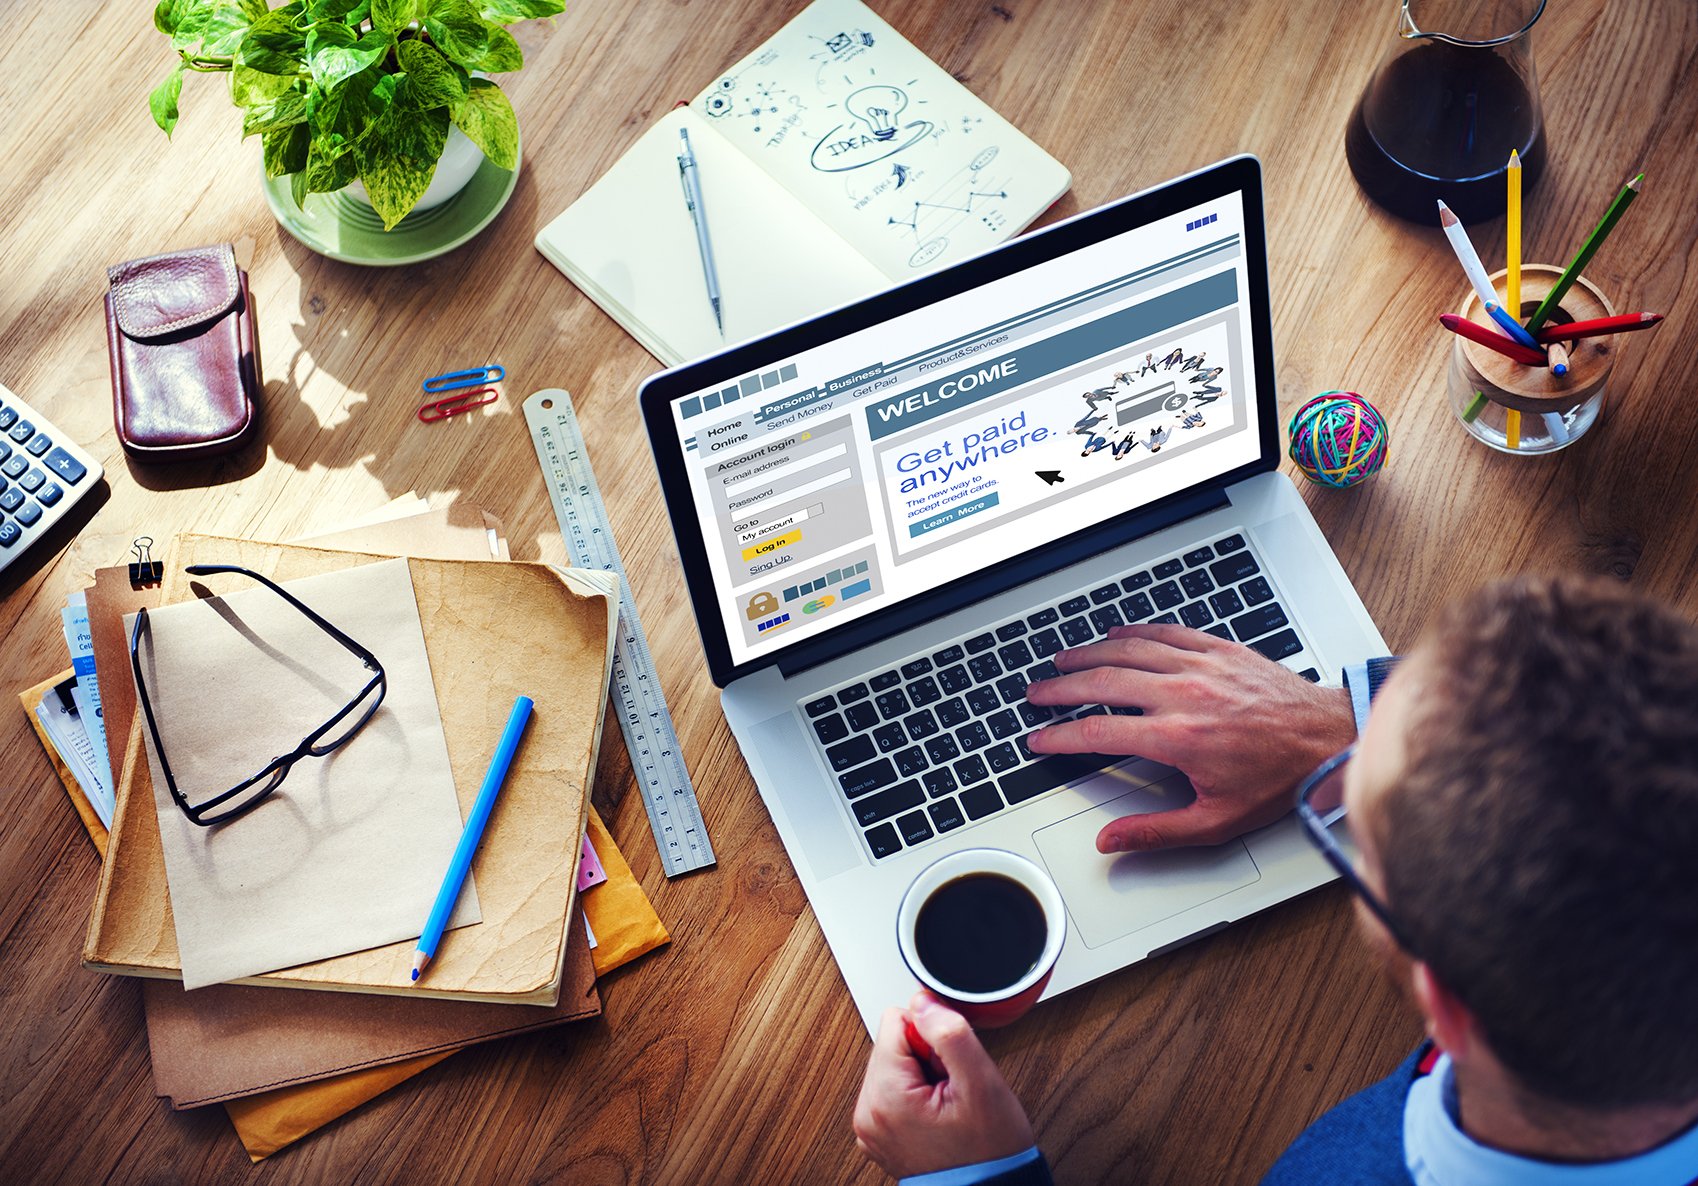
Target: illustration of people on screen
{"points": [[1089, 421], [1149, 365], [1193, 362], [1208, 390], [1158, 438], [1123, 447], [1174, 359], [1094, 443], [1194, 420]]}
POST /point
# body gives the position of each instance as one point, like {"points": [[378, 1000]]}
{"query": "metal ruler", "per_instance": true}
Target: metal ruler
{"points": [[656, 757]]}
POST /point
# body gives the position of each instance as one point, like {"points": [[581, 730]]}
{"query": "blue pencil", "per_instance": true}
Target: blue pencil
{"points": [[462, 862], [1511, 326]]}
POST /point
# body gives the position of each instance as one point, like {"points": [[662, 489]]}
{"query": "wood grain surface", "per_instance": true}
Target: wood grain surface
{"points": [[734, 1055]]}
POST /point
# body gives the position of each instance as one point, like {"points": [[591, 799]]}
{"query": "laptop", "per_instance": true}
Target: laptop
{"points": [[892, 516]]}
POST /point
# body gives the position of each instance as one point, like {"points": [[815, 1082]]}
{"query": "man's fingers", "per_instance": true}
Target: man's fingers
{"points": [[1099, 733], [1182, 828], [953, 1041], [1137, 653], [1119, 686], [1180, 638]]}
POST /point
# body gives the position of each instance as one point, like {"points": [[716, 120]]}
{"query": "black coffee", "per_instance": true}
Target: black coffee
{"points": [[980, 933], [1446, 118]]}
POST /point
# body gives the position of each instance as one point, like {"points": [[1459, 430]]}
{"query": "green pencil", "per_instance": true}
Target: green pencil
{"points": [[1587, 250]]}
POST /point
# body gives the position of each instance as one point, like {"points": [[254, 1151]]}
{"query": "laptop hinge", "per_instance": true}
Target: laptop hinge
{"points": [[1037, 563]]}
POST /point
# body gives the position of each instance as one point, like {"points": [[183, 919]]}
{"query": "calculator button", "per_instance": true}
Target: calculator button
{"points": [[15, 466], [8, 417], [5, 449], [29, 514], [32, 481], [38, 444], [12, 499], [65, 466], [10, 533], [22, 431]]}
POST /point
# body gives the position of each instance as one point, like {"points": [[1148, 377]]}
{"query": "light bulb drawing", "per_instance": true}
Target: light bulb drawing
{"points": [[880, 108]]}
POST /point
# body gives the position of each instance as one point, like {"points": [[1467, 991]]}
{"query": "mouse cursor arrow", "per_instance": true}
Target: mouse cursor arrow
{"points": [[1050, 476]]}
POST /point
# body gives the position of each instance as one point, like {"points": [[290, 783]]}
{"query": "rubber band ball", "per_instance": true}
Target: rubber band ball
{"points": [[1338, 439]]}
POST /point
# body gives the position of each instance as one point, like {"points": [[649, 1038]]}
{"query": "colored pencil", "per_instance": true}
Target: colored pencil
{"points": [[461, 862], [1508, 347], [1512, 257], [1559, 358], [1587, 250], [1555, 426], [1510, 326], [1465, 254], [1598, 326], [1474, 408], [1512, 428]]}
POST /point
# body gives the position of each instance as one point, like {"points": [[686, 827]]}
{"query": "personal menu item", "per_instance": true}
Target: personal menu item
{"points": [[238, 678], [835, 160]]}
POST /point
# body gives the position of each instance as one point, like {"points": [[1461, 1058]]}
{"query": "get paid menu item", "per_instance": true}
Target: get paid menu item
{"points": [[834, 161]]}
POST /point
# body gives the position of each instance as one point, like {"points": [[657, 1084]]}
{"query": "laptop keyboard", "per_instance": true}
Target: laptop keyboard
{"points": [[939, 741]]}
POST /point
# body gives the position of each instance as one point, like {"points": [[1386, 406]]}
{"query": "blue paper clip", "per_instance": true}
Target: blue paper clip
{"points": [[454, 380], [452, 405]]}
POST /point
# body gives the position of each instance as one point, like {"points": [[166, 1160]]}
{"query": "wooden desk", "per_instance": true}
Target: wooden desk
{"points": [[734, 1056]]}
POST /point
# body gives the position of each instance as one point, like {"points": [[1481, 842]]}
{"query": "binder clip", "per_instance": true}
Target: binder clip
{"points": [[144, 569], [455, 380], [452, 405]]}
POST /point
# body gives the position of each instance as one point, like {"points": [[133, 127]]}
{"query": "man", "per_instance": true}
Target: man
{"points": [[1525, 803]]}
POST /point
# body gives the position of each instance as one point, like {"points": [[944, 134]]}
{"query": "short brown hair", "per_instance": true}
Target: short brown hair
{"points": [[1542, 845]]}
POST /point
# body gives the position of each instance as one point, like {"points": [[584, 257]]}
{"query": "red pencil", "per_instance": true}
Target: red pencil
{"points": [[1598, 325], [1491, 339]]}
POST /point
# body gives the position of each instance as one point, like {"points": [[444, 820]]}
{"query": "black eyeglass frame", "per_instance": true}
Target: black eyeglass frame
{"points": [[1317, 827], [278, 768]]}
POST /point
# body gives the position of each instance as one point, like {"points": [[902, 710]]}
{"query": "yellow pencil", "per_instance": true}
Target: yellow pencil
{"points": [[1512, 428], [1512, 279]]}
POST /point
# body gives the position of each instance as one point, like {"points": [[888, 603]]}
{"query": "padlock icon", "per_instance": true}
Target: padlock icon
{"points": [[760, 605]]}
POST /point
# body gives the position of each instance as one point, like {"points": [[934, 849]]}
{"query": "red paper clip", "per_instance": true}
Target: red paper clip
{"points": [[453, 405]]}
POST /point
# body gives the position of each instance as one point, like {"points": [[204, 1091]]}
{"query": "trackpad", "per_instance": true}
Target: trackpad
{"points": [[1109, 897]]}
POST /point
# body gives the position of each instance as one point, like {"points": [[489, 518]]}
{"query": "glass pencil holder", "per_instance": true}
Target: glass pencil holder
{"points": [[1531, 410]]}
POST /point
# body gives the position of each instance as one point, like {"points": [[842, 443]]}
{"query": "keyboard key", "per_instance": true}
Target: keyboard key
{"points": [[939, 782], [981, 800], [12, 499], [1056, 770], [1168, 568], [38, 444], [1220, 630], [1003, 724], [1166, 595], [870, 809], [1044, 670], [1106, 617], [983, 699], [920, 725], [1137, 607], [1138, 580], [1077, 632], [862, 716], [1226, 603], [954, 679], [10, 533], [889, 737], [914, 827], [1047, 616], [910, 761], [984, 668], [1167, 619], [952, 712], [868, 778], [972, 769], [916, 668], [830, 729], [49, 494], [1195, 615], [851, 753], [1105, 594], [1023, 744], [1234, 568], [1196, 584], [885, 680], [893, 703], [942, 748], [973, 736], [1011, 688], [1199, 556], [1231, 543], [1046, 643], [852, 693], [1010, 630], [980, 642], [22, 431], [1033, 715], [949, 654], [1002, 757], [1256, 591], [882, 840], [924, 691], [32, 482], [1075, 605], [1015, 655], [1310, 674], [818, 707], [65, 467], [1258, 622], [1279, 646], [947, 815]]}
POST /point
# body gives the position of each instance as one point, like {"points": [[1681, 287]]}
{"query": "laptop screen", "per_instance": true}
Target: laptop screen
{"points": [[864, 469]]}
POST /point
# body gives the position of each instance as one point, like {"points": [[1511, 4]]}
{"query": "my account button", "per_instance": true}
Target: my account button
{"points": [[953, 515]]}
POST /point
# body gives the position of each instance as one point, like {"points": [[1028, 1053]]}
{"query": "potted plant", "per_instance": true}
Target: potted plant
{"points": [[346, 90]]}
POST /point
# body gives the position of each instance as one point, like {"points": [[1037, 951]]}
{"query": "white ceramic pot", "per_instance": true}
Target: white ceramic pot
{"points": [[460, 160]]}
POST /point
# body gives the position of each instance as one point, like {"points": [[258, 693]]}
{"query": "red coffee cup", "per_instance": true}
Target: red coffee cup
{"points": [[982, 929]]}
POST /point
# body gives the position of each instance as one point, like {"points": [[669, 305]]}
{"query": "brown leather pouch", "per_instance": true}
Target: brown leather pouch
{"points": [[185, 359]]}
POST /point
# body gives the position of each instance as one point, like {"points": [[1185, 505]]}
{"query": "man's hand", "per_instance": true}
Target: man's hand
{"points": [[910, 1125], [1243, 729]]}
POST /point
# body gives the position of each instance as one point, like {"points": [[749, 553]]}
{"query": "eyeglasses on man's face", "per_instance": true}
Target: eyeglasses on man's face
{"points": [[331, 735], [1320, 805]]}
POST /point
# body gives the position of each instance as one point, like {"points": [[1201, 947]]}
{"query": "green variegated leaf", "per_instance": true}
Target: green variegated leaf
{"points": [[431, 80], [330, 165], [457, 29], [397, 158], [334, 53], [286, 150], [505, 12], [213, 32], [346, 111], [393, 15], [273, 45], [253, 8], [249, 88], [168, 15], [163, 101], [487, 118], [285, 111], [503, 53], [298, 188], [331, 10]]}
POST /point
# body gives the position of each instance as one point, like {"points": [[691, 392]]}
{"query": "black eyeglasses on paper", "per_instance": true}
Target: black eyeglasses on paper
{"points": [[335, 732]]}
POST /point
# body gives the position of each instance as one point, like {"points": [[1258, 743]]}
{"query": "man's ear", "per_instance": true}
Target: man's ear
{"points": [[1450, 1024]]}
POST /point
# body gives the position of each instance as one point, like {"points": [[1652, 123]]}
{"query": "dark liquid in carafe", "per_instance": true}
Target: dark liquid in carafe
{"points": [[1446, 118]]}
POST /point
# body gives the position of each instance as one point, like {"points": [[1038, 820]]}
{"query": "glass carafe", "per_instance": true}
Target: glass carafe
{"points": [[1454, 93]]}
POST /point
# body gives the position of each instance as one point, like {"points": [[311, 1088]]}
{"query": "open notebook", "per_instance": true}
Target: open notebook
{"points": [[834, 161]]}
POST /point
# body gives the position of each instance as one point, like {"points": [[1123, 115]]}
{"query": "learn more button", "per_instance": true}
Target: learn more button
{"points": [[774, 544], [952, 515]]}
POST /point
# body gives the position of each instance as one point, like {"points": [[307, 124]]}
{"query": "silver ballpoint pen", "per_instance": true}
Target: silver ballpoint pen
{"points": [[690, 176]]}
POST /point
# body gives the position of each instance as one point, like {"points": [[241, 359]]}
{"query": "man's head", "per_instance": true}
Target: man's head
{"points": [[1526, 795]]}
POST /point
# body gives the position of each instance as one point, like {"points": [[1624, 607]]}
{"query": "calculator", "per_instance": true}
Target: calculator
{"points": [[42, 475]]}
